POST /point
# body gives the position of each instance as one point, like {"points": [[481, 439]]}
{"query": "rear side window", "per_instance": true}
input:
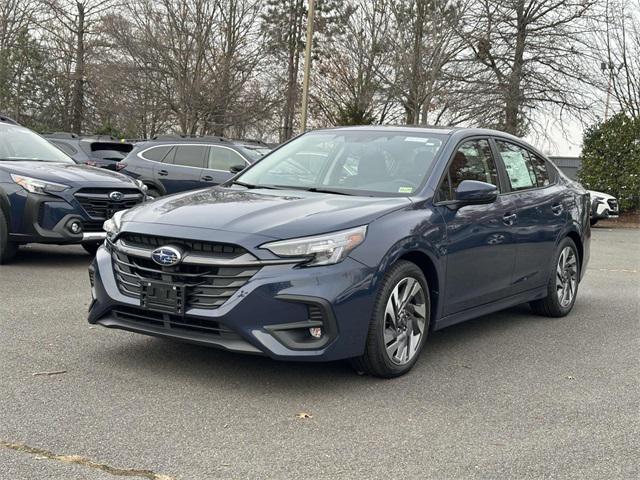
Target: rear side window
{"points": [[541, 170], [524, 169], [224, 159], [156, 154], [472, 161], [190, 155], [519, 166]]}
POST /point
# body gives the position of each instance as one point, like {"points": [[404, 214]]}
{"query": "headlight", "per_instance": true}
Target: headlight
{"points": [[112, 226], [324, 249], [34, 185], [141, 186]]}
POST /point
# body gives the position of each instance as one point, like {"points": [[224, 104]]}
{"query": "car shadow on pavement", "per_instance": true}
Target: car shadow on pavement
{"points": [[251, 373], [64, 257]]}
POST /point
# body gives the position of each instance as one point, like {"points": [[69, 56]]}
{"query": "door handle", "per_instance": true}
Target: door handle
{"points": [[207, 178], [557, 208], [509, 218], [163, 173]]}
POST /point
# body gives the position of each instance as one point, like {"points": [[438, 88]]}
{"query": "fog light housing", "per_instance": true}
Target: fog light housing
{"points": [[315, 332], [75, 227]]}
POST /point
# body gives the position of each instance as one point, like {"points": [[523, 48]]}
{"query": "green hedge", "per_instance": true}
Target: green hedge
{"points": [[611, 160]]}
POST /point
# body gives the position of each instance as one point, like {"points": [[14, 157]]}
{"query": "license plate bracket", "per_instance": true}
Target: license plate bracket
{"points": [[163, 297]]}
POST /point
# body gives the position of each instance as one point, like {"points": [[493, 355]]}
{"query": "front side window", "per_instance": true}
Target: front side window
{"points": [[223, 159], [19, 143], [190, 155], [375, 162], [472, 161], [519, 166]]}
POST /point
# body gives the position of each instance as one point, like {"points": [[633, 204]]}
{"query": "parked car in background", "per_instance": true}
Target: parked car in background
{"points": [[603, 206], [171, 164], [97, 151], [350, 243], [47, 197]]}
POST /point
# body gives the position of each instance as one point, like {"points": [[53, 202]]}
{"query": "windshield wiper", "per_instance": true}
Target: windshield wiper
{"points": [[252, 186], [314, 189]]}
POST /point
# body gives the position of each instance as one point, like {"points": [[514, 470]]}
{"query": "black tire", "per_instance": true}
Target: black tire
{"points": [[375, 360], [8, 249], [593, 221], [91, 248], [550, 306], [153, 193]]}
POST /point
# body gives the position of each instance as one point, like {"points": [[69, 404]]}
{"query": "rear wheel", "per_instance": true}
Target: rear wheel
{"points": [[91, 248], [153, 193], [400, 323], [8, 249], [562, 287]]}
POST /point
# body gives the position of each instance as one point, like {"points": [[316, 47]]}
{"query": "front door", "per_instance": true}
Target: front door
{"points": [[480, 249], [218, 167]]}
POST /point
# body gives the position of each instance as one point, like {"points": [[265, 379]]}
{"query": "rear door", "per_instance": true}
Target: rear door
{"points": [[480, 249], [219, 162], [182, 168], [542, 213]]}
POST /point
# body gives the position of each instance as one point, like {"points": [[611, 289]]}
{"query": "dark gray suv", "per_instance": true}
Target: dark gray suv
{"points": [[174, 164]]}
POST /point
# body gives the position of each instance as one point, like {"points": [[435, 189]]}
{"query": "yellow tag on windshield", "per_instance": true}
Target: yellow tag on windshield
{"points": [[405, 190]]}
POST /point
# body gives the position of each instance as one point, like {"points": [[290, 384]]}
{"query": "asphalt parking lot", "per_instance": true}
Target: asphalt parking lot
{"points": [[510, 395]]}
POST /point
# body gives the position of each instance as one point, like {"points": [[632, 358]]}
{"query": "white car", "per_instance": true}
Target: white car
{"points": [[603, 205]]}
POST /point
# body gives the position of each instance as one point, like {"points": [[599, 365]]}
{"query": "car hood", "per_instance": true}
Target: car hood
{"points": [[606, 196], [73, 175], [271, 213]]}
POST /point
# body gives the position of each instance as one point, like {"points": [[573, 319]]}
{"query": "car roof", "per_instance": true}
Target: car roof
{"points": [[9, 120]]}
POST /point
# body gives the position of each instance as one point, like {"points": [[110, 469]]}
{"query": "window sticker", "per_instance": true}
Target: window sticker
{"points": [[516, 166], [405, 190]]}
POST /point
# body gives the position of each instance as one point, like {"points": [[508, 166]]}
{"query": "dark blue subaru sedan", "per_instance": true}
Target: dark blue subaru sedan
{"points": [[349, 243]]}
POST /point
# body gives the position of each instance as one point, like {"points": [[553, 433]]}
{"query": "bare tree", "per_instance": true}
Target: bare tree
{"points": [[621, 54], [70, 22], [523, 55]]}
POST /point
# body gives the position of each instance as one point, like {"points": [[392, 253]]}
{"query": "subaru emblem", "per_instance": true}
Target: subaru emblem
{"points": [[166, 256], [116, 196]]}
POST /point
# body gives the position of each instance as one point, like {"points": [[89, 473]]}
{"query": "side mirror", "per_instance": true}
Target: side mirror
{"points": [[473, 192], [236, 168]]}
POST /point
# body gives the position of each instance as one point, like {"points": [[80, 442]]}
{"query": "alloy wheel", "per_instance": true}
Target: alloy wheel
{"points": [[566, 276], [404, 320]]}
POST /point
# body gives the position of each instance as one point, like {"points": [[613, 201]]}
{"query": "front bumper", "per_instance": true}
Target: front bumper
{"points": [[270, 315], [601, 209], [41, 218]]}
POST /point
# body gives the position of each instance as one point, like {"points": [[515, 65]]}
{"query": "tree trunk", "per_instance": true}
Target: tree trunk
{"points": [[295, 26], [513, 100], [414, 105], [78, 83]]}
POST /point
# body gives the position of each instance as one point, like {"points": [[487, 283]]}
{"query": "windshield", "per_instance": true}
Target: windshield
{"points": [[349, 161], [19, 143], [254, 153]]}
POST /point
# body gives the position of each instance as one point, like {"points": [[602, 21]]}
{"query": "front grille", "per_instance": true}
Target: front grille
{"points": [[173, 322], [613, 205], [98, 205], [206, 286]]}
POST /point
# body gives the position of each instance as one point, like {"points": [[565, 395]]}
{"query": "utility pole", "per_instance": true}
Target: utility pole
{"points": [[307, 65], [604, 66]]}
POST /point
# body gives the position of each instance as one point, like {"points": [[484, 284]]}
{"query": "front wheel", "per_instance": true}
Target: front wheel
{"points": [[593, 221], [8, 249], [400, 323], [562, 287]]}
